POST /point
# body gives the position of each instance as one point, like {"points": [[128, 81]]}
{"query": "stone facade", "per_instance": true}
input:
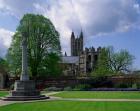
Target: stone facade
{"points": [[86, 58], [70, 65]]}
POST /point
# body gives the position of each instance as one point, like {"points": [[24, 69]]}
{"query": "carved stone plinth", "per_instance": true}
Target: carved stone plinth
{"points": [[23, 91], [25, 88]]}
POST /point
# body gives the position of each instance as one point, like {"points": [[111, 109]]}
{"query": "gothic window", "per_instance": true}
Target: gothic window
{"points": [[95, 57], [89, 58]]}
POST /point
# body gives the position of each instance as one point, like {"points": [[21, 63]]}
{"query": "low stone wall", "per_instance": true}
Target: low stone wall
{"points": [[57, 82], [72, 81], [65, 81]]}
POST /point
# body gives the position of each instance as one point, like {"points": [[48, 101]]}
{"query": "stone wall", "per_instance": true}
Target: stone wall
{"points": [[73, 81]]}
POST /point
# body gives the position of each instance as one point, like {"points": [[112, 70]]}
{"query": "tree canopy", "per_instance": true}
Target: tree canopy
{"points": [[42, 39], [121, 61], [3, 66], [110, 62]]}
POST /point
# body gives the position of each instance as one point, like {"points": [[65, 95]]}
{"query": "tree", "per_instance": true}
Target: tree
{"points": [[14, 55], [103, 67], [110, 62], [3, 66], [121, 61], [42, 38], [51, 66]]}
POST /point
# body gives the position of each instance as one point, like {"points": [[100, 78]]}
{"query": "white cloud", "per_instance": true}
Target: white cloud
{"points": [[63, 17], [17, 8], [95, 17], [5, 41]]}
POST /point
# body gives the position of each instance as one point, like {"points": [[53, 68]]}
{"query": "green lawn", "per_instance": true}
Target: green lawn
{"points": [[99, 94], [73, 106], [3, 93]]}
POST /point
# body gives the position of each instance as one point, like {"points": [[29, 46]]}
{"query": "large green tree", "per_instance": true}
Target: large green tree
{"points": [[121, 62], [42, 39], [3, 66], [51, 66], [14, 55], [110, 62], [103, 66]]}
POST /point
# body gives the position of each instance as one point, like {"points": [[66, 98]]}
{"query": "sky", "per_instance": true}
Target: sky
{"points": [[104, 22]]}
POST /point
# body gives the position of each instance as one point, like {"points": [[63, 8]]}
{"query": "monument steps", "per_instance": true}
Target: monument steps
{"points": [[24, 98]]}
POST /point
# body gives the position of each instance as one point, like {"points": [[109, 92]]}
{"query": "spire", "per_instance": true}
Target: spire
{"points": [[65, 54], [81, 34], [72, 35], [81, 41], [72, 43]]}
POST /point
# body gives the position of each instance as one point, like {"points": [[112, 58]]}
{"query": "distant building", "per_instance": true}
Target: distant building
{"points": [[82, 61]]}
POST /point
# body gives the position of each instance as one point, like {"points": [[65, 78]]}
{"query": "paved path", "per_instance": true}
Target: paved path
{"points": [[51, 93], [3, 103]]}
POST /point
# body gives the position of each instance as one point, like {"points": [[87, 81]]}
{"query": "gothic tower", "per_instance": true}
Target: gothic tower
{"points": [[76, 44], [72, 44], [81, 42]]}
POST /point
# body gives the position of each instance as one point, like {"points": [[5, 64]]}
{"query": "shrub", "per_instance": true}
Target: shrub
{"points": [[68, 89], [138, 85], [53, 89], [134, 86], [82, 87], [123, 85]]}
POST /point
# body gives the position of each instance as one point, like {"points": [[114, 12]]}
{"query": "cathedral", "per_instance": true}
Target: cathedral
{"points": [[82, 60]]}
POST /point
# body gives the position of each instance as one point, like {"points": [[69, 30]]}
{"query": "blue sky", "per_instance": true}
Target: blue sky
{"points": [[104, 22]]}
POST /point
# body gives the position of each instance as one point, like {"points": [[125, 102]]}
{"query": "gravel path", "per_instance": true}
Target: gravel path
{"points": [[3, 103], [51, 93]]}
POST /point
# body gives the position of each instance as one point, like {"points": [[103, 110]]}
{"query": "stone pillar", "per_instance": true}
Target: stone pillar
{"points": [[24, 88], [24, 75]]}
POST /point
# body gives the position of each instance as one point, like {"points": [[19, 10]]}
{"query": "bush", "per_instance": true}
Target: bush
{"points": [[68, 89], [53, 89], [138, 85], [82, 87], [134, 86], [123, 85]]}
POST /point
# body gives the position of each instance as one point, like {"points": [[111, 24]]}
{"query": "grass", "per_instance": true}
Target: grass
{"points": [[73, 106], [99, 94], [3, 93], [62, 105]]}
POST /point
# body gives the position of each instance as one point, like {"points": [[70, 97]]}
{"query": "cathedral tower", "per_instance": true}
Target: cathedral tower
{"points": [[72, 44], [76, 44]]}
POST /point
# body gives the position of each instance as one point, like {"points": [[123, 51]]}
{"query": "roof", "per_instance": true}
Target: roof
{"points": [[70, 59]]}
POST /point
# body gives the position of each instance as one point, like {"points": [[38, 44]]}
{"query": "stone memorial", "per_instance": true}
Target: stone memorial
{"points": [[24, 88]]}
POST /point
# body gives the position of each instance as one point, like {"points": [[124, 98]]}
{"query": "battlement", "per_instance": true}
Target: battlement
{"points": [[92, 49]]}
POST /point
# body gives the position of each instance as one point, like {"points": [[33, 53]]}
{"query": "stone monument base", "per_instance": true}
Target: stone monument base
{"points": [[25, 91]]}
